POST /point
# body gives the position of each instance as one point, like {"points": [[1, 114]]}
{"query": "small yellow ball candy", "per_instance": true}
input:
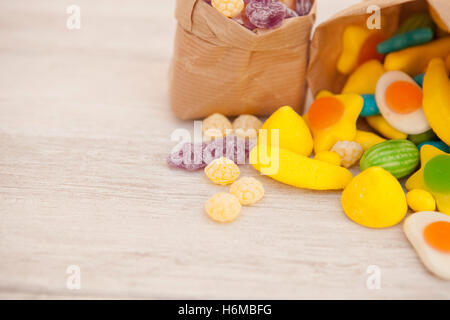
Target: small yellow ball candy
{"points": [[223, 207], [222, 171], [349, 151], [420, 200], [215, 126], [247, 190], [374, 199], [229, 8], [330, 157], [246, 126]]}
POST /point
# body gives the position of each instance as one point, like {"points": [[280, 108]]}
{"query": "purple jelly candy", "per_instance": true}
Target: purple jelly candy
{"points": [[267, 14], [189, 157], [304, 7]]}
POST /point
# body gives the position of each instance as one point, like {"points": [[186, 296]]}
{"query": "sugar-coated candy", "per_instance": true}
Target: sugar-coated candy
{"points": [[422, 137], [447, 63], [416, 21], [330, 157], [232, 147], [297, 170], [364, 79], [436, 99], [246, 126], [216, 125], [293, 132], [420, 200], [229, 8], [406, 40], [324, 93], [304, 7], [266, 14], [433, 176], [384, 128], [429, 234], [248, 190], [189, 157], [436, 174], [399, 157], [367, 139], [374, 199], [354, 38], [370, 107], [223, 207], [437, 144], [222, 171], [333, 119], [415, 60], [399, 99], [349, 151]]}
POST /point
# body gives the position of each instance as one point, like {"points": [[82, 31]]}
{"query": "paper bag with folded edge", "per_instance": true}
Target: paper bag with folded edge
{"points": [[219, 66]]}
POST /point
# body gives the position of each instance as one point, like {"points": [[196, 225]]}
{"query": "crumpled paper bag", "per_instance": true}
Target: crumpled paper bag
{"points": [[220, 66], [326, 43]]}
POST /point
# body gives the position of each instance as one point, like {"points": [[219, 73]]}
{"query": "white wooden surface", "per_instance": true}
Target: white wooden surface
{"points": [[84, 132]]}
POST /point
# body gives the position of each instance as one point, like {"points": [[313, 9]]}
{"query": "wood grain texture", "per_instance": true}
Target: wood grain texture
{"points": [[84, 133]]}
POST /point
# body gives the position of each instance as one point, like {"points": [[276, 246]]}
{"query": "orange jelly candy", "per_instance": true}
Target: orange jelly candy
{"points": [[403, 97], [437, 235], [369, 49], [325, 112]]}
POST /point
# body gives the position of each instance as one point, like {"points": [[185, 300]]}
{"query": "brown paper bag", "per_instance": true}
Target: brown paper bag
{"points": [[220, 66], [326, 43]]}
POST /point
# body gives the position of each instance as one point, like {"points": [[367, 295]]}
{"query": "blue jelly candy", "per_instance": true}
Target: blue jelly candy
{"points": [[370, 107], [437, 144], [406, 40], [419, 79]]}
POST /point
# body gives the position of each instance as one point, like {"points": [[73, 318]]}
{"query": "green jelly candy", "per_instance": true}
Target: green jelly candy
{"points": [[398, 157], [436, 174], [423, 137], [417, 21]]}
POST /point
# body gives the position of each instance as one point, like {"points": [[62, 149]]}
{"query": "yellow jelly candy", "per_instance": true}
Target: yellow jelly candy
{"points": [[229, 8], [333, 119], [246, 126], [247, 190], [222, 171], [418, 181], [357, 40], [324, 93], [215, 126], [349, 151], [374, 199], [364, 79], [367, 139], [437, 19], [330, 157], [384, 128], [414, 60], [420, 200], [436, 99], [293, 132], [297, 170], [223, 207]]}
